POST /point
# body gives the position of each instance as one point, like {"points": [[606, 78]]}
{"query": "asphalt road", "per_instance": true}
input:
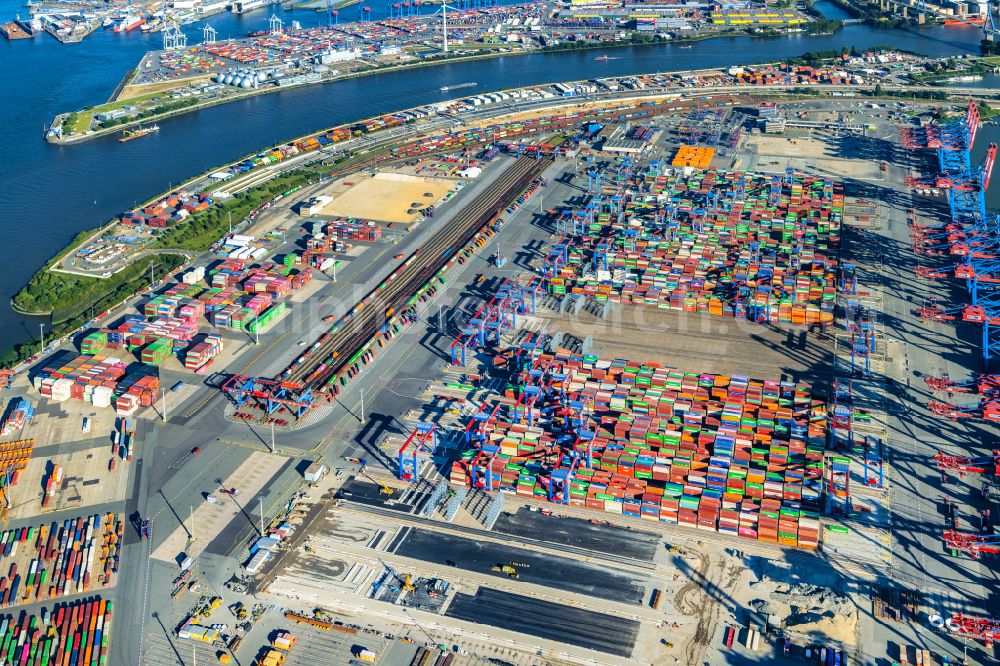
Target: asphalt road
{"points": [[587, 629], [581, 533], [548, 570]]}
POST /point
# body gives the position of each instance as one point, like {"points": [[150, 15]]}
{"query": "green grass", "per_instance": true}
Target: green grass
{"points": [[72, 298], [111, 106], [80, 121]]}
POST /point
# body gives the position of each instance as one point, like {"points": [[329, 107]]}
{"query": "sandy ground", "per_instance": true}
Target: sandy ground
{"points": [[386, 197], [525, 115], [784, 146], [130, 92]]}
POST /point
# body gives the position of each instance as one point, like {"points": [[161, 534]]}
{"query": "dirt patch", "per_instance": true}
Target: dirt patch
{"points": [[389, 197], [131, 92]]}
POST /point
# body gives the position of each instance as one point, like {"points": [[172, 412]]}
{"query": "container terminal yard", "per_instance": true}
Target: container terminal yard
{"points": [[645, 380]]}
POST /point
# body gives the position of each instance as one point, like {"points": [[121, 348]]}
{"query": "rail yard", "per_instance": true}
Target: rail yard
{"points": [[645, 380]]}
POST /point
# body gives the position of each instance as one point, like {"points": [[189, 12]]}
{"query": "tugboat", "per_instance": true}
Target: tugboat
{"points": [[128, 135]]}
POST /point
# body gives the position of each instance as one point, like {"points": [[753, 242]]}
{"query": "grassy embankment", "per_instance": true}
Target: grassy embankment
{"points": [[72, 300]]}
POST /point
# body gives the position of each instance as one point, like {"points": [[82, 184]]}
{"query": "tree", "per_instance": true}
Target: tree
{"points": [[878, 89]]}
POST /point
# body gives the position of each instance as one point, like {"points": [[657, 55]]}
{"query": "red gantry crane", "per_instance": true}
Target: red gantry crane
{"points": [[970, 544], [988, 410], [978, 628], [962, 465], [983, 384]]}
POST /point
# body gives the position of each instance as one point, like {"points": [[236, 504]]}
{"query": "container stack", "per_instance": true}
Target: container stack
{"points": [[693, 156], [76, 556], [139, 391], [170, 328], [303, 277], [14, 457], [262, 322], [157, 351], [271, 283], [78, 635], [19, 411], [727, 243], [94, 343], [355, 230], [199, 356], [720, 453], [52, 482], [122, 441], [89, 378]]}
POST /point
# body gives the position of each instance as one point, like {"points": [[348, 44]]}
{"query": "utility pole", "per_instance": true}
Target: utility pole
{"points": [[334, 269], [362, 405], [41, 334], [272, 437], [191, 520], [231, 224], [260, 500], [163, 394], [151, 275]]}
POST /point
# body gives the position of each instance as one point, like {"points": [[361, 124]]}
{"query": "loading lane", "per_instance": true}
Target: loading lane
{"points": [[549, 570], [586, 629]]}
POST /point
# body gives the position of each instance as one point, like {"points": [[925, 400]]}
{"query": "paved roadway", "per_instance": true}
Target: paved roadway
{"points": [[536, 617]]}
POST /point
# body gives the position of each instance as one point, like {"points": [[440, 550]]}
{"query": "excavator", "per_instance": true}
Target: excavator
{"points": [[383, 487]]}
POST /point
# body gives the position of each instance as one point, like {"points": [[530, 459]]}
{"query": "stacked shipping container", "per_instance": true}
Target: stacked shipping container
{"points": [[726, 244], [78, 634], [72, 558], [727, 454]]}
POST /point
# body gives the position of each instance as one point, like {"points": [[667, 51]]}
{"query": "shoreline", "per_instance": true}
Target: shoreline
{"points": [[83, 237], [80, 138]]}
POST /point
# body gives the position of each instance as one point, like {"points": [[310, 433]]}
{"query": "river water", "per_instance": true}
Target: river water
{"points": [[50, 193]]}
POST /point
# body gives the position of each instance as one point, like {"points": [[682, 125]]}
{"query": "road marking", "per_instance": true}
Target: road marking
{"points": [[145, 595]]}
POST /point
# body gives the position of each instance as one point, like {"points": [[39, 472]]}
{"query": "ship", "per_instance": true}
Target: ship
{"points": [[152, 26], [244, 6], [129, 23], [107, 22], [601, 58], [968, 20], [128, 135], [457, 86]]}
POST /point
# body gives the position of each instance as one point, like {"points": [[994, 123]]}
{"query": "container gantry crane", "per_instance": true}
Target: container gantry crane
{"points": [[984, 384], [963, 465], [988, 410], [972, 545], [978, 628]]}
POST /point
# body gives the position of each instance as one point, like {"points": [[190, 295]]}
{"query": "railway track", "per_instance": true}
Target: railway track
{"points": [[338, 347]]}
